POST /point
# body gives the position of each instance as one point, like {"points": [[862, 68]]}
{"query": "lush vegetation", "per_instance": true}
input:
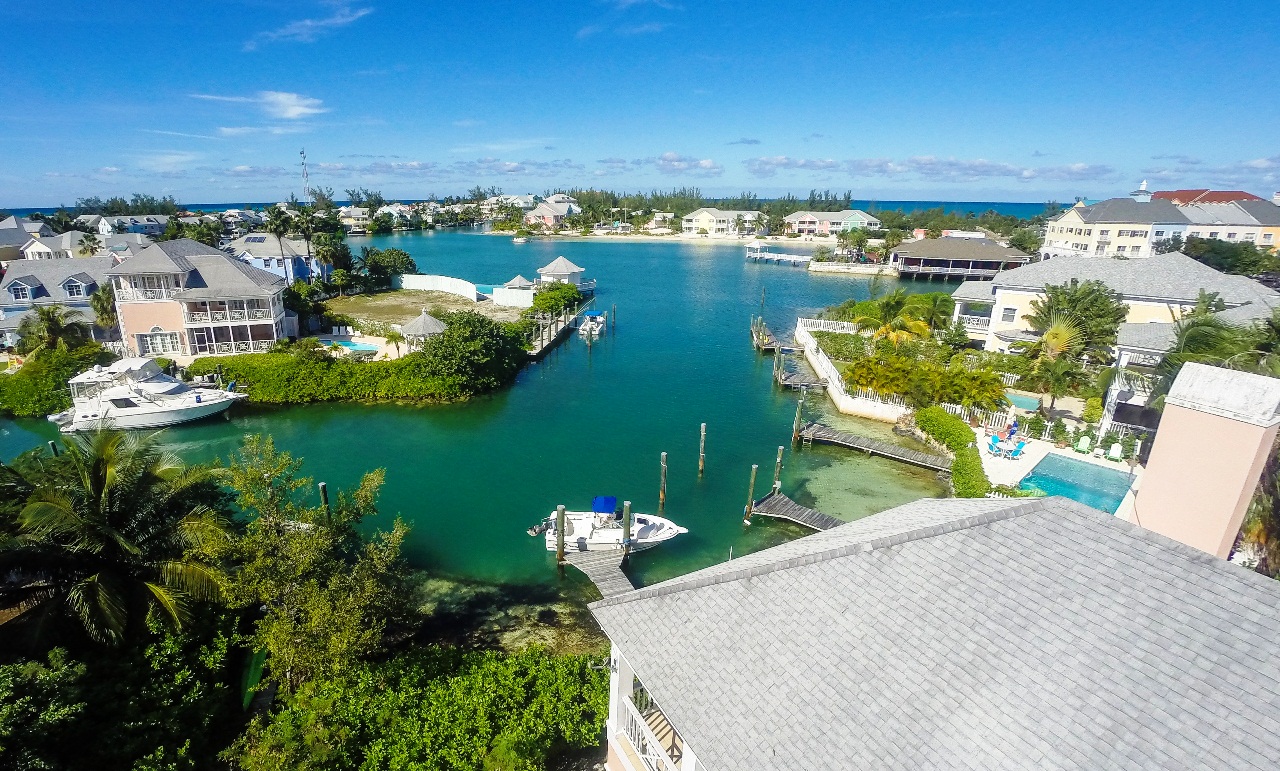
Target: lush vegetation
{"points": [[554, 299], [474, 355], [40, 387], [135, 589], [922, 382], [1080, 318], [967, 477], [1241, 258]]}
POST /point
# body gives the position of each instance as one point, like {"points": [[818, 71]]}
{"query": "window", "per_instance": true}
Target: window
{"points": [[1104, 232], [20, 292], [74, 289], [1119, 248], [1213, 234], [1250, 236], [1231, 236], [158, 342], [1089, 232], [1008, 314], [124, 404], [1266, 238], [1159, 234]]}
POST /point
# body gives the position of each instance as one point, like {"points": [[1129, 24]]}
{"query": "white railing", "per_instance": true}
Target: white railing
{"points": [[976, 322], [985, 418], [824, 325], [643, 740], [237, 315], [218, 315], [198, 317], [142, 294], [259, 313], [948, 271]]}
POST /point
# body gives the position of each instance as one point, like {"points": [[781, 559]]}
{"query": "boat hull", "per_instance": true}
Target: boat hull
{"points": [[145, 419], [588, 532]]}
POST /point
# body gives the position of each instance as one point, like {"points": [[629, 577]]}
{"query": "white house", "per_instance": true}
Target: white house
{"points": [[15, 232], [712, 221], [93, 223], [353, 217], [560, 271], [69, 244], [287, 257]]}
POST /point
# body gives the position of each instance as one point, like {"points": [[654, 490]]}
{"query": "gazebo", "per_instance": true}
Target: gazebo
{"points": [[423, 327], [519, 282], [561, 270]]}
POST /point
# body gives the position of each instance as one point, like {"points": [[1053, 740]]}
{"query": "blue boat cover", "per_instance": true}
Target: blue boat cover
{"points": [[593, 313], [604, 504]]}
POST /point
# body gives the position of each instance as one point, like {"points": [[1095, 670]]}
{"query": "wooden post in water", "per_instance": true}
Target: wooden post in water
{"points": [[613, 317], [560, 537], [324, 501], [662, 490], [795, 426], [626, 528], [702, 450], [751, 495], [53, 448], [777, 472]]}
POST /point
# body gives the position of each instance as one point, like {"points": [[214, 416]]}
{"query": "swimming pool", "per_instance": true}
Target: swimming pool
{"points": [[1023, 402], [1097, 486], [350, 346], [485, 288]]}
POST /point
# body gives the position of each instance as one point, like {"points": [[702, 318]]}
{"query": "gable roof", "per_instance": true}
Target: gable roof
{"points": [[210, 273], [828, 216], [164, 257], [1162, 277], [1218, 214], [49, 276], [1127, 210], [519, 282], [1265, 213], [963, 634], [1204, 195], [422, 326], [560, 265], [959, 249], [975, 291], [260, 245]]}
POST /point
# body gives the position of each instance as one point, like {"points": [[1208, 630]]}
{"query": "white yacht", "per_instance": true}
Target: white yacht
{"points": [[601, 529], [520, 240], [134, 393]]}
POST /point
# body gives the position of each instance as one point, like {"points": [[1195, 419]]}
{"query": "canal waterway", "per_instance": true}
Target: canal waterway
{"points": [[470, 478]]}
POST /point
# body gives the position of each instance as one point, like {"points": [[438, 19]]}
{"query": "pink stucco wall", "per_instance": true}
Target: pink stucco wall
{"points": [[1200, 477], [139, 318]]}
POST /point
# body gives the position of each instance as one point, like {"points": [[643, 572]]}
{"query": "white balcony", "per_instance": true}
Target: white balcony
{"points": [[135, 295], [976, 322], [653, 753]]}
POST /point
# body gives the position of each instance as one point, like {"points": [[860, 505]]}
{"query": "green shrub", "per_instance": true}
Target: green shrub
{"points": [[554, 299], [967, 477], [1058, 432], [1092, 410], [40, 387], [474, 355], [1035, 426], [1017, 492]]}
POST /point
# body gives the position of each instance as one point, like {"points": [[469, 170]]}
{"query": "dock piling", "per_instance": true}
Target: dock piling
{"points": [[324, 495], [662, 489], [613, 317], [626, 529], [795, 426], [777, 471], [53, 448], [702, 450], [751, 495], [560, 536]]}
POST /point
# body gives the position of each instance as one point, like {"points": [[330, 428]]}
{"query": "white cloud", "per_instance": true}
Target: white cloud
{"points": [[282, 105], [768, 167], [167, 161], [309, 30], [652, 28], [109, 170], [255, 171], [178, 134], [501, 146], [588, 31], [938, 169], [240, 131], [745, 141], [683, 165]]}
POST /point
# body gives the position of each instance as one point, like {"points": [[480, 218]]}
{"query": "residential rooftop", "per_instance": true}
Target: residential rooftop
{"points": [[1128, 211], [959, 249], [964, 634]]}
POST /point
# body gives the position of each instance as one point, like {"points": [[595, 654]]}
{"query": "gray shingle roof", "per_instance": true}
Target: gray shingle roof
{"points": [[211, 274], [560, 265], [1166, 277], [964, 634], [959, 249], [1218, 214], [1127, 210], [49, 276], [163, 257], [1151, 337], [1265, 212], [423, 326], [974, 291]]}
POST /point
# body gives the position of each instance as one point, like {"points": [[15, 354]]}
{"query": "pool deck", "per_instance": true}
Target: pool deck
{"points": [[1002, 471]]}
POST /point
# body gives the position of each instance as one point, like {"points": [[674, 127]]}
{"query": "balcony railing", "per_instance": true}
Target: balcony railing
{"points": [[208, 317], [142, 294], [643, 739], [976, 322], [241, 346]]}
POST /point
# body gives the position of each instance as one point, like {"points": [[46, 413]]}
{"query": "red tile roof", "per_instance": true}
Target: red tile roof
{"points": [[1181, 197]]}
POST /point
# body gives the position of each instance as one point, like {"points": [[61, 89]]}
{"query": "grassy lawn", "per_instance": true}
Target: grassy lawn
{"points": [[401, 305]]}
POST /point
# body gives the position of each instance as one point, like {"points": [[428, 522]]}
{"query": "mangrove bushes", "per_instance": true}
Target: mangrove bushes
{"points": [[474, 355], [40, 387], [967, 476]]}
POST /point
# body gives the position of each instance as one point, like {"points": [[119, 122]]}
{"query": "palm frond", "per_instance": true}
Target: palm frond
{"points": [[171, 602], [200, 581], [100, 607]]}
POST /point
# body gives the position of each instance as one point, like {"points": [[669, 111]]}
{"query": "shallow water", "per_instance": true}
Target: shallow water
{"points": [[588, 421]]}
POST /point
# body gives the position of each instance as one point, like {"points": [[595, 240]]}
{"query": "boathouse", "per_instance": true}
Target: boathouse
{"points": [[950, 634], [961, 258]]}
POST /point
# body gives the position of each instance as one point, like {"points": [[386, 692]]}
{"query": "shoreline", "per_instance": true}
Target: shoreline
{"points": [[709, 240]]}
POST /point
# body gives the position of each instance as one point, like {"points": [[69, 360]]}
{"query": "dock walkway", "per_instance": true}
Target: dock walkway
{"points": [[763, 339], [604, 568], [816, 432], [551, 334], [779, 506]]}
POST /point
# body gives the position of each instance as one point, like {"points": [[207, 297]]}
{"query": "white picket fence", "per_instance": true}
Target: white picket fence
{"points": [[836, 386]]}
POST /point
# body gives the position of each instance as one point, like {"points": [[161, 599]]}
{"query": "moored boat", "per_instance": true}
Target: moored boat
{"points": [[601, 528], [519, 240], [135, 394], [592, 324]]}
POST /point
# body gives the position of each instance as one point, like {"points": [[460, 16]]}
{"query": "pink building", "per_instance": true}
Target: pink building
{"points": [[182, 297], [822, 223]]}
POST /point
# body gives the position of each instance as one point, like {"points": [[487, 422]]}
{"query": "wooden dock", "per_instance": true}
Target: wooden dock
{"points": [[779, 506], [763, 339], [554, 332], [604, 568], [794, 260], [795, 380], [816, 432]]}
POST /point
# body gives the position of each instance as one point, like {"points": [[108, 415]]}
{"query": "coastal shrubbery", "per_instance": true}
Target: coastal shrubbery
{"points": [[967, 477], [554, 300], [474, 355], [40, 387], [922, 382]]}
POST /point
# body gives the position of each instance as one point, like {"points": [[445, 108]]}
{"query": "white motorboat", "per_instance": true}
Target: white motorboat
{"points": [[134, 393], [519, 240], [592, 324], [601, 529]]}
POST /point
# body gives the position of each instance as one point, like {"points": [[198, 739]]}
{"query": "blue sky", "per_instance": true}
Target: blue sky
{"points": [[211, 101]]}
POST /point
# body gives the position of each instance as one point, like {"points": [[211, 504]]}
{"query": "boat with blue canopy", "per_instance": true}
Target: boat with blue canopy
{"points": [[601, 529]]}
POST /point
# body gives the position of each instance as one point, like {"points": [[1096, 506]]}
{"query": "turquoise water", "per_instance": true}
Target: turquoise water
{"points": [[349, 345], [470, 478], [1023, 402], [1097, 486]]}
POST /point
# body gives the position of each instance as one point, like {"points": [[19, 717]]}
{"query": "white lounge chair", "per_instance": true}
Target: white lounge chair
{"points": [[1116, 452], [1082, 446]]}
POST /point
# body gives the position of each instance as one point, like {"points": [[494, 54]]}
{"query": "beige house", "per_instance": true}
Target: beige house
{"points": [[1160, 288], [182, 297], [1117, 227], [950, 634], [710, 221], [69, 244]]}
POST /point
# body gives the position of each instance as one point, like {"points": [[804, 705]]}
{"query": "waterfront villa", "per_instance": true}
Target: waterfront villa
{"points": [[551, 214], [950, 634], [146, 224], [955, 257], [1160, 288], [353, 217], [721, 221], [68, 283], [822, 223], [182, 297], [67, 245], [285, 257], [1116, 227]]}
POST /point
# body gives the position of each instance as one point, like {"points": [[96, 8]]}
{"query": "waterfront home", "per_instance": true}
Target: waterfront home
{"points": [[1204, 195], [955, 257], [421, 328], [353, 217], [1117, 227], [822, 223], [950, 634], [400, 213], [1160, 288], [285, 257], [561, 198], [68, 245], [146, 224], [69, 283], [664, 220], [525, 203], [14, 234], [551, 214], [713, 221], [182, 297]]}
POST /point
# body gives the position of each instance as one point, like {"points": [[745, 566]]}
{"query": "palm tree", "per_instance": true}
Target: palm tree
{"points": [[395, 337], [739, 224], [341, 279], [1061, 337], [1057, 376], [900, 329], [892, 240], [111, 535], [103, 303], [278, 224], [89, 245], [933, 309], [50, 326]]}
